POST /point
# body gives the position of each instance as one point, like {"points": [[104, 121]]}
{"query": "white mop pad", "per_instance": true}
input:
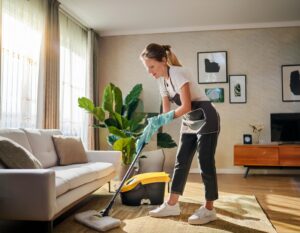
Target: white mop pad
{"points": [[92, 219]]}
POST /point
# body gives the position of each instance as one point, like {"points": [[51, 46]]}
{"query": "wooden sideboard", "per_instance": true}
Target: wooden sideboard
{"points": [[266, 155]]}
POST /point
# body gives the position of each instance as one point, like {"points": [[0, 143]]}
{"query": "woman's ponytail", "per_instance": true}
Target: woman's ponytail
{"points": [[171, 57]]}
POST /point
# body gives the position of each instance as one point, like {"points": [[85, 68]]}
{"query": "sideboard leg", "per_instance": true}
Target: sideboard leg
{"points": [[246, 172], [49, 226]]}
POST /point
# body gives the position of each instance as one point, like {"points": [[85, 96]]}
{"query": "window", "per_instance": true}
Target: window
{"points": [[22, 29], [73, 77]]}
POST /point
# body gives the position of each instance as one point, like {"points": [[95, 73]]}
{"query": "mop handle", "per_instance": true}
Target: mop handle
{"points": [[105, 212]]}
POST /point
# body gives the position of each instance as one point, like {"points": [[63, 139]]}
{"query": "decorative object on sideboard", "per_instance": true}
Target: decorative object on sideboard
{"points": [[256, 128], [247, 139], [290, 75], [212, 67], [237, 89]]}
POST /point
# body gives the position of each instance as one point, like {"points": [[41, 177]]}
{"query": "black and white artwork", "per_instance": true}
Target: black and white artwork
{"points": [[238, 91], [212, 67], [290, 83]]}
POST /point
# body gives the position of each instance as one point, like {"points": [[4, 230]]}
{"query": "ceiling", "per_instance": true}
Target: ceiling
{"points": [[125, 17]]}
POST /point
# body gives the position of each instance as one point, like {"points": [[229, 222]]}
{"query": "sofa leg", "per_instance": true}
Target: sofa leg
{"points": [[49, 226], [109, 187]]}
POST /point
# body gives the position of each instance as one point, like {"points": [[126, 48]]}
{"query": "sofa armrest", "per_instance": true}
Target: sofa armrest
{"points": [[27, 194], [113, 157]]}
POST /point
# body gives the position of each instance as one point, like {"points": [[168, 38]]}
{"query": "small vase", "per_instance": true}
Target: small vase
{"points": [[256, 138]]}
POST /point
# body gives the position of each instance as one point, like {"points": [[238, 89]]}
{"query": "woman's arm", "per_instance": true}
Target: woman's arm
{"points": [[166, 104], [185, 97]]}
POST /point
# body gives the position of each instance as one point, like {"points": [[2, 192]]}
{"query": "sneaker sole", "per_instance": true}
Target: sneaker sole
{"points": [[164, 215], [202, 221]]}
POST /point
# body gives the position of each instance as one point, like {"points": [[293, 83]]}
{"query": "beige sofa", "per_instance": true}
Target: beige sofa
{"points": [[44, 194]]}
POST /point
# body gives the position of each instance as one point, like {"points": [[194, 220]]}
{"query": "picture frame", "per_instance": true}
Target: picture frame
{"points": [[215, 95], [212, 67], [237, 89], [290, 80]]}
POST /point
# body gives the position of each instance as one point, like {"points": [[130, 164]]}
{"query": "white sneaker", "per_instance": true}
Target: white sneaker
{"points": [[165, 210], [202, 216]]}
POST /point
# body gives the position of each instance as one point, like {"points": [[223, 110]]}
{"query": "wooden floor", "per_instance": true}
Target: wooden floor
{"points": [[279, 196]]}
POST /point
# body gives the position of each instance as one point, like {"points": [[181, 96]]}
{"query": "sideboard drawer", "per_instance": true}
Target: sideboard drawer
{"points": [[289, 155], [256, 155]]}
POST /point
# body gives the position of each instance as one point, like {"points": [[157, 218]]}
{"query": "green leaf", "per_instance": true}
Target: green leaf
{"points": [[134, 93], [107, 100], [119, 120], [164, 140], [117, 100], [111, 122], [99, 113], [138, 128], [138, 117], [127, 146], [86, 104], [99, 126], [132, 107], [117, 132], [111, 139]]}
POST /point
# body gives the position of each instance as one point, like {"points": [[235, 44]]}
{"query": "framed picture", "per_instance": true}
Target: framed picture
{"points": [[212, 67], [215, 95], [290, 83], [237, 89]]}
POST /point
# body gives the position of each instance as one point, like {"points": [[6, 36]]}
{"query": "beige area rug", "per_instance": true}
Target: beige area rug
{"points": [[236, 214]]}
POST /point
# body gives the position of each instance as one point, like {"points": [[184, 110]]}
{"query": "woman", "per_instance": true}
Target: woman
{"points": [[176, 85]]}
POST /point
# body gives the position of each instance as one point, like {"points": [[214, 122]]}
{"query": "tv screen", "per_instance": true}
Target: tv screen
{"points": [[285, 127]]}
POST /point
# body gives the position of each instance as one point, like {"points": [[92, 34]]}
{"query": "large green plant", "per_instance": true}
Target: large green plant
{"points": [[122, 120]]}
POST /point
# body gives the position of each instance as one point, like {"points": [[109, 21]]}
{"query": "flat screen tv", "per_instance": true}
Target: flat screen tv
{"points": [[285, 127]]}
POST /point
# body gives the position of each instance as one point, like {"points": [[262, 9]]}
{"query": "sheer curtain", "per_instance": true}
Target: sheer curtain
{"points": [[22, 29], [73, 77]]}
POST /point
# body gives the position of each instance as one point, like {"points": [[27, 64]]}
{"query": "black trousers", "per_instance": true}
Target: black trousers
{"points": [[205, 145]]}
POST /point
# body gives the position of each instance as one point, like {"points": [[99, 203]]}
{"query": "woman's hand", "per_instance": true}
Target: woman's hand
{"points": [[154, 123]]}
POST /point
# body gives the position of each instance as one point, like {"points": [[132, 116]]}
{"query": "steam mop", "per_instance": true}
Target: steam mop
{"points": [[101, 221]]}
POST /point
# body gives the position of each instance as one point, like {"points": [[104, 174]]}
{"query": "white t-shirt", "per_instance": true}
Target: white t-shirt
{"points": [[179, 76]]}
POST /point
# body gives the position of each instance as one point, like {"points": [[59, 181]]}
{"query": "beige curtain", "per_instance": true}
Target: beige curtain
{"points": [[96, 87], [90, 86], [93, 40], [51, 69], [0, 56]]}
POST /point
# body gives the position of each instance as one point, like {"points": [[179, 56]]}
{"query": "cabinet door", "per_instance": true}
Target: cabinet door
{"points": [[256, 155], [289, 155]]}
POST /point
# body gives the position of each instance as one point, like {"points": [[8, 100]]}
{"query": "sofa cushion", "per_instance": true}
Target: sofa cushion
{"points": [[72, 176], [17, 135], [69, 149], [13, 155], [42, 146]]}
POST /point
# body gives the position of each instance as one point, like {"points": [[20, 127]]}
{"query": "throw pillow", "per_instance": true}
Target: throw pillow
{"points": [[13, 155], [69, 149]]}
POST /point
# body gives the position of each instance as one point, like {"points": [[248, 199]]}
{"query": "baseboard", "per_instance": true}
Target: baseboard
{"points": [[222, 171], [252, 171]]}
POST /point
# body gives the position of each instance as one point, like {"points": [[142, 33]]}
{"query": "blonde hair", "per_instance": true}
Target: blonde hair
{"points": [[158, 52]]}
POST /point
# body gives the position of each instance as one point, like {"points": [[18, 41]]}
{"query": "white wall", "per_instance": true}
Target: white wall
{"points": [[258, 53]]}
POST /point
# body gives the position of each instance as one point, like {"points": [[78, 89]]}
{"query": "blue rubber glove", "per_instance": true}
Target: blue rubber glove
{"points": [[154, 123]]}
